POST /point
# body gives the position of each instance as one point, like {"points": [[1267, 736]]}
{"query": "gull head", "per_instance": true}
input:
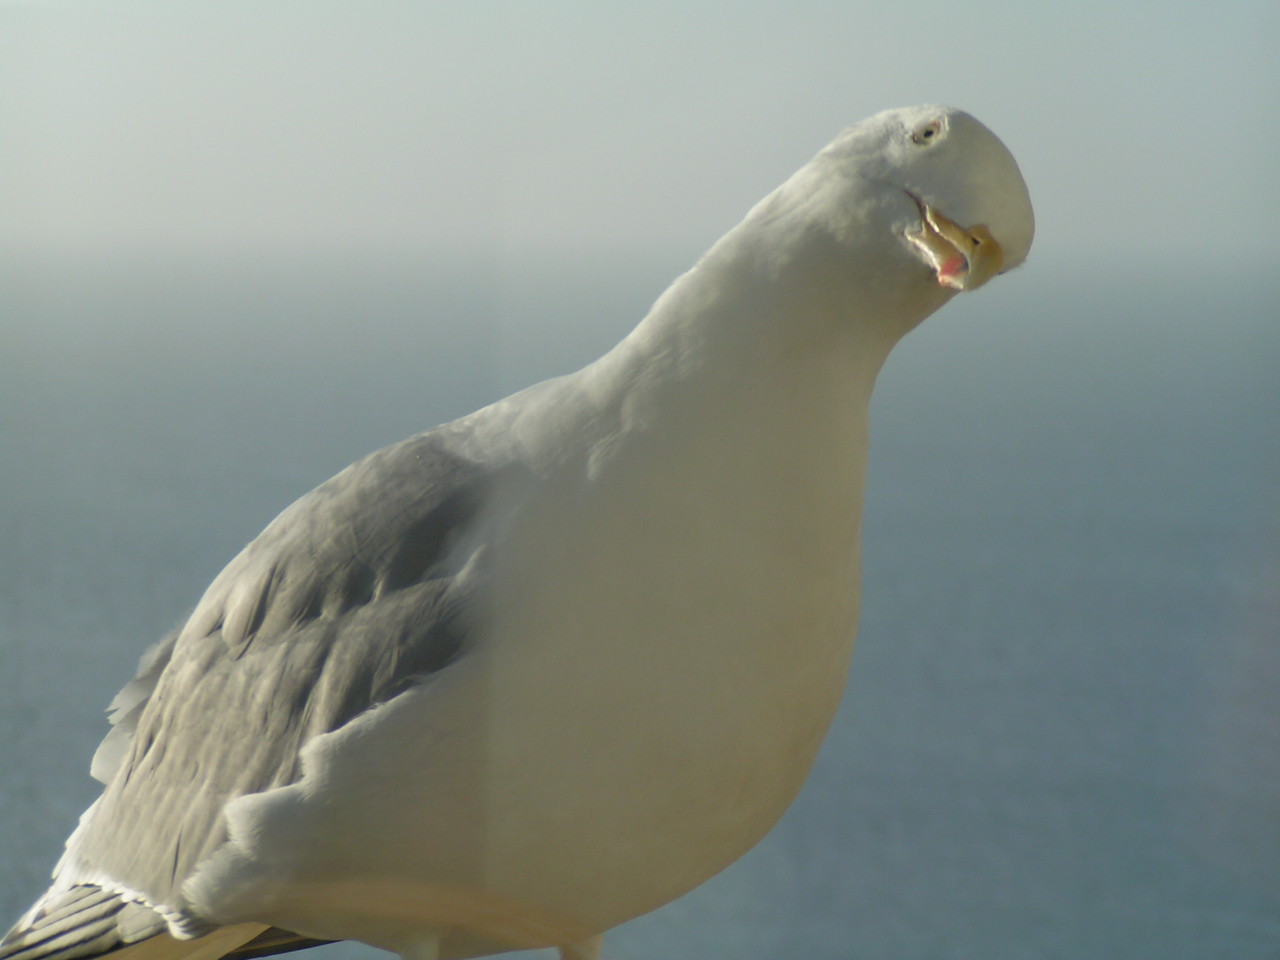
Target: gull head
{"points": [[943, 185]]}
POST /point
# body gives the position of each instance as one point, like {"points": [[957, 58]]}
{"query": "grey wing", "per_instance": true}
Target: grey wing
{"points": [[351, 596]]}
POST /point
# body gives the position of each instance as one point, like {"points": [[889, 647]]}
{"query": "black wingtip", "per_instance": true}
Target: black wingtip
{"points": [[86, 922]]}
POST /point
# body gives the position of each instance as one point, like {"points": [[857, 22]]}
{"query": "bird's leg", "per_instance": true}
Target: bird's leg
{"points": [[588, 949], [424, 948]]}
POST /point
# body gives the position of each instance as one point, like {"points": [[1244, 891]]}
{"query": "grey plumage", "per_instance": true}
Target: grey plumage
{"points": [[84, 921], [354, 593]]}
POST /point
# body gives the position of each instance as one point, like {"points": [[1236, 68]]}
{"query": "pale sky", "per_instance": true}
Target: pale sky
{"points": [[1145, 129]]}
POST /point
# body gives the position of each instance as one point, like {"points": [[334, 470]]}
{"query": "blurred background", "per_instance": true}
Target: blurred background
{"points": [[242, 244]]}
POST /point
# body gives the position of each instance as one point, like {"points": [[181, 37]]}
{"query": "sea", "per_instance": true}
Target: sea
{"points": [[1061, 735]]}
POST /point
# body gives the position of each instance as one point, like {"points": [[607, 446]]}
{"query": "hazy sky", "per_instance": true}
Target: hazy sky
{"points": [[1145, 129]]}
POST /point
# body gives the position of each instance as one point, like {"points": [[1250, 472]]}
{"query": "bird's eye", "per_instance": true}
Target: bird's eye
{"points": [[927, 132]]}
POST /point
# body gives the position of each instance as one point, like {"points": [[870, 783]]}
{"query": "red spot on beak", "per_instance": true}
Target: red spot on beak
{"points": [[953, 267]]}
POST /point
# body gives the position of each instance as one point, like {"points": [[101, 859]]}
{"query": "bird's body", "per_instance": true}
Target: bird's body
{"points": [[535, 672]]}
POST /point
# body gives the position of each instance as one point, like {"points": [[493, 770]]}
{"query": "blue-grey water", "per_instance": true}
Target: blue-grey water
{"points": [[1062, 733]]}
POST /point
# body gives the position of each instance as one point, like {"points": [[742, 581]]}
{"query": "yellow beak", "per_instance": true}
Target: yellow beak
{"points": [[963, 258]]}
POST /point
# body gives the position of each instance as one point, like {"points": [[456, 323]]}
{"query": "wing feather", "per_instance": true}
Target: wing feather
{"points": [[351, 596]]}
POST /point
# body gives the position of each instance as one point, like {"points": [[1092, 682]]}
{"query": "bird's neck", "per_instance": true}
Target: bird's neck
{"points": [[745, 393], [763, 321]]}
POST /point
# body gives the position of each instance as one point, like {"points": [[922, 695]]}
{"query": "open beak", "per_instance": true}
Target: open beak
{"points": [[963, 258]]}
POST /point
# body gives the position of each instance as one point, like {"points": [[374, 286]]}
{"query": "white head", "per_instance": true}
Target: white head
{"points": [[880, 229], [922, 199], [962, 207]]}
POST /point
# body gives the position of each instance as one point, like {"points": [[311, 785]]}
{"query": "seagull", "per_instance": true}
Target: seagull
{"points": [[538, 671]]}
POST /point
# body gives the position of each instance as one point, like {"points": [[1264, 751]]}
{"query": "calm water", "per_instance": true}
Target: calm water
{"points": [[1062, 733]]}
